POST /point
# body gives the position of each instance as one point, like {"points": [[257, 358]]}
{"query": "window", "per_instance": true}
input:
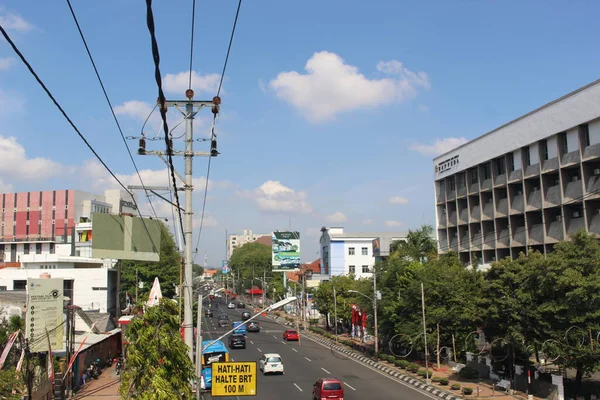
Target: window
{"points": [[26, 248], [486, 171], [526, 156], [451, 184], [365, 251], [565, 141], [585, 130], [473, 176], [350, 251], [544, 147], [2, 288], [352, 269], [500, 167], [365, 269], [511, 161], [38, 248], [52, 250], [19, 284], [98, 288]]}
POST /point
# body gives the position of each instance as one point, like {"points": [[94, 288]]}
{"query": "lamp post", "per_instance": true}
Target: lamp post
{"points": [[374, 300]]}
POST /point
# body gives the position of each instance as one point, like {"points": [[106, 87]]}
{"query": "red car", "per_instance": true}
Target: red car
{"points": [[291, 334], [328, 388]]}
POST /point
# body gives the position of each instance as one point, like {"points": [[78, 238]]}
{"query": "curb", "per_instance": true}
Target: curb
{"points": [[442, 394]]}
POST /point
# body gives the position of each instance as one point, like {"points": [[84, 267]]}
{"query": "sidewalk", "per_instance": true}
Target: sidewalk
{"points": [[106, 387]]}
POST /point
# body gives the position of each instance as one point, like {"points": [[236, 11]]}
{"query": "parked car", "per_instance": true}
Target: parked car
{"points": [[208, 312], [241, 305], [328, 388], [230, 305], [253, 327], [237, 340], [224, 320], [271, 363], [291, 334], [245, 316]]}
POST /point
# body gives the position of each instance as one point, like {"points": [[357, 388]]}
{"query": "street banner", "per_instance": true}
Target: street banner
{"points": [[285, 251], [155, 294], [11, 340], [225, 267]]}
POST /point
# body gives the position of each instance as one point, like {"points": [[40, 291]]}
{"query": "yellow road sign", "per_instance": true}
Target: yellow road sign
{"points": [[233, 379]]}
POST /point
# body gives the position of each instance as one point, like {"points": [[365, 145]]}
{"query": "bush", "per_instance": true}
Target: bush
{"points": [[436, 379], [402, 364], [468, 373], [444, 381], [467, 390], [313, 321], [414, 368], [424, 374], [455, 386]]}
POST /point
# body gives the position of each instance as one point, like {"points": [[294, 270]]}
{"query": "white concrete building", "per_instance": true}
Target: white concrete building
{"points": [[525, 185], [239, 239], [350, 253]]}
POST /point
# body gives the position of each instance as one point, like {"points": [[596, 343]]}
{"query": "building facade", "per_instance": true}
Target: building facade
{"points": [[527, 184], [350, 253], [239, 239], [51, 232]]}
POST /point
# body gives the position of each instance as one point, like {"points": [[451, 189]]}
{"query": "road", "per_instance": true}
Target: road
{"points": [[304, 363]]}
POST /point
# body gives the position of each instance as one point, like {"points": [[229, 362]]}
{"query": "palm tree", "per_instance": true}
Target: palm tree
{"points": [[419, 244]]}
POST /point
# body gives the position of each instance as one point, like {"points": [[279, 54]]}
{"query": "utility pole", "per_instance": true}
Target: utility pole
{"points": [[192, 107], [199, 348], [375, 313], [137, 285], [264, 287]]}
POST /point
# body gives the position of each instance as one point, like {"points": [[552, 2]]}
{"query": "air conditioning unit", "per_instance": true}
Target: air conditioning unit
{"points": [[455, 234], [575, 178], [535, 188], [519, 192], [558, 218], [493, 258], [596, 171], [490, 200], [598, 211], [557, 182], [576, 214]]}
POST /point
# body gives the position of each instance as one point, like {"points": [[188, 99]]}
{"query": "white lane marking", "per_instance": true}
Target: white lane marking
{"points": [[294, 349], [259, 349], [326, 370], [309, 360], [232, 359], [251, 342], [274, 336], [349, 386], [283, 342], [298, 387]]}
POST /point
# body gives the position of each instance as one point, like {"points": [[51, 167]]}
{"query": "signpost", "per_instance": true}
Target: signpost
{"points": [[44, 312], [233, 379]]}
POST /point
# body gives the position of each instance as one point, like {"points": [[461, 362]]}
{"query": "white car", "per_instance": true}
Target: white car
{"points": [[271, 363], [230, 305]]}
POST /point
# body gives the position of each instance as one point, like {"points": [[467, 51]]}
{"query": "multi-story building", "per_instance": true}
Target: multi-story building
{"points": [[525, 185], [239, 239], [51, 231], [351, 253]]}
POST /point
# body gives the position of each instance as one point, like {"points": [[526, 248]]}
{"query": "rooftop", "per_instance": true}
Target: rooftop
{"points": [[367, 235]]}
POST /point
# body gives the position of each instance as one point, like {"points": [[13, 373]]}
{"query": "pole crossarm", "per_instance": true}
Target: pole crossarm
{"points": [[178, 153]]}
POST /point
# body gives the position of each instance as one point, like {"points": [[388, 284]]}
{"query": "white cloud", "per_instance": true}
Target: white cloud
{"points": [[367, 221], [135, 109], [423, 108], [209, 221], [336, 218], [440, 146], [313, 232], [392, 224], [15, 163], [274, 197], [398, 200], [6, 63], [179, 83], [331, 86], [14, 22]]}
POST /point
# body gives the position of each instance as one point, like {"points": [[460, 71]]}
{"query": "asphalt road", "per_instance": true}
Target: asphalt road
{"points": [[304, 363]]}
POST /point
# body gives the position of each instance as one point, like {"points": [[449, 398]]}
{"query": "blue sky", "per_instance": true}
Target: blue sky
{"points": [[332, 111]]}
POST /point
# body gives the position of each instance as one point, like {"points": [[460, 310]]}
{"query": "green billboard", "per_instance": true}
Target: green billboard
{"points": [[286, 251]]}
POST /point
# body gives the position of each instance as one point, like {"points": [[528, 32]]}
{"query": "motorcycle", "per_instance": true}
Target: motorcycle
{"points": [[119, 366]]}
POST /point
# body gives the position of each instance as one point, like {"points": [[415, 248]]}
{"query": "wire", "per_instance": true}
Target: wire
{"points": [[89, 53], [192, 42], [147, 118], [161, 100], [62, 111], [203, 209], [237, 13]]}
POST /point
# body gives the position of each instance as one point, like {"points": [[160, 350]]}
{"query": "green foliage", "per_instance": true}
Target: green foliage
{"points": [[197, 270], [8, 382], [468, 373], [166, 269], [157, 365]]}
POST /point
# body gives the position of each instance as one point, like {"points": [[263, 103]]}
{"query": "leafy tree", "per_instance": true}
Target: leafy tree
{"points": [[324, 298], [419, 245], [157, 366], [8, 382], [197, 270], [166, 269]]}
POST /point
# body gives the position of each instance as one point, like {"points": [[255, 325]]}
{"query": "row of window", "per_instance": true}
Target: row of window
{"points": [[39, 222], [364, 251], [352, 269]]}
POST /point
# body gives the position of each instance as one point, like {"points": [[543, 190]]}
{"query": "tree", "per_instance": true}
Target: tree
{"points": [[250, 260], [197, 270], [324, 299], [166, 269], [419, 245], [8, 382], [157, 365]]}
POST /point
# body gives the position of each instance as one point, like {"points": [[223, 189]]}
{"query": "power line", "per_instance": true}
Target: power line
{"points": [[212, 136], [192, 42], [89, 53], [163, 109], [62, 111]]}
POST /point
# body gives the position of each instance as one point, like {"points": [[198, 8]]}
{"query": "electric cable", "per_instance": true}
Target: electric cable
{"points": [[192, 42], [163, 110], [89, 53], [70, 121]]}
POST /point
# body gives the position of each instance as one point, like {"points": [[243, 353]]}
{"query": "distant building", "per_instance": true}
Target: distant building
{"points": [[51, 231], [351, 253], [239, 239], [525, 185], [209, 274]]}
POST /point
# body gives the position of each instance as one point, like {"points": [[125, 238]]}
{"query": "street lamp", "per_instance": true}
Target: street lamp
{"points": [[374, 300]]}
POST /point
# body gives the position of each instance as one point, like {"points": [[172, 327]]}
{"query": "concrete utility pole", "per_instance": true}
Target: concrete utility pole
{"points": [[192, 107]]}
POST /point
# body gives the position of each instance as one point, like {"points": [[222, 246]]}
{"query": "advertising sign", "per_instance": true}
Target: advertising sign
{"points": [[44, 313], [225, 267], [286, 251], [233, 379]]}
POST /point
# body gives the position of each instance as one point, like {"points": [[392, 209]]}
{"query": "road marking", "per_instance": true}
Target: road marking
{"points": [[274, 336], [259, 349], [283, 342], [298, 387], [326, 370], [349, 386], [294, 349], [309, 360], [251, 342]]}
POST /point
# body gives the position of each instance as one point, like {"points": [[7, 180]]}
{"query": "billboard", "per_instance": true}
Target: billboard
{"points": [[225, 266], [286, 251], [44, 314], [124, 237]]}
